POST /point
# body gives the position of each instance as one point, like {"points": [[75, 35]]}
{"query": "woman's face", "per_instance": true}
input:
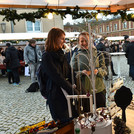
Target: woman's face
{"points": [[83, 41], [61, 41]]}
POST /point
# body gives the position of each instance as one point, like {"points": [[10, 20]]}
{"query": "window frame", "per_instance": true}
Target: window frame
{"points": [[108, 28], [33, 26], [100, 29], [124, 25], [115, 26]]}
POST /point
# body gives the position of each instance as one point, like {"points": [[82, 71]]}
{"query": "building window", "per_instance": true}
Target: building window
{"points": [[94, 31], [100, 29], [107, 28], [33, 27], [124, 24], [115, 26]]}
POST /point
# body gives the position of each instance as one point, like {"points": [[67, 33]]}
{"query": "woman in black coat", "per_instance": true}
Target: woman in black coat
{"points": [[57, 73]]}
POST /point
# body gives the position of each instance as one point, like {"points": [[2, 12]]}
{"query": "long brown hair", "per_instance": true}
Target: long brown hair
{"points": [[52, 39]]}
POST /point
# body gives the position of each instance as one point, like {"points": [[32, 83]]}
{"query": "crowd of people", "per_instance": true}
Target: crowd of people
{"points": [[67, 72]]}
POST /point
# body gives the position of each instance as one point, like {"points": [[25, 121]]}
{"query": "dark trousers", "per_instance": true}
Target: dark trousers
{"points": [[101, 99], [112, 68], [131, 71], [16, 75], [3, 71], [10, 77]]}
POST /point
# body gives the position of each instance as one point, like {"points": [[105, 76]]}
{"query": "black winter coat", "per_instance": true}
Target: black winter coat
{"points": [[58, 72], [130, 53], [101, 47], [12, 58]]}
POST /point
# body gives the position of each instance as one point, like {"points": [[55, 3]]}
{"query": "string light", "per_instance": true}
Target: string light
{"points": [[132, 15], [12, 15], [50, 16], [99, 15]]}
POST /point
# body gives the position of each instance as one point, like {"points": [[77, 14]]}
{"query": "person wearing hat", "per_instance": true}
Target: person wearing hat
{"points": [[124, 46], [32, 58]]}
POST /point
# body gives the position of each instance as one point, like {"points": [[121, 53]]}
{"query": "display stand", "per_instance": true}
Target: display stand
{"points": [[107, 129], [75, 97]]}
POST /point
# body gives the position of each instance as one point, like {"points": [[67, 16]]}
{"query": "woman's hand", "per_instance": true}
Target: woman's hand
{"points": [[96, 71], [89, 72]]}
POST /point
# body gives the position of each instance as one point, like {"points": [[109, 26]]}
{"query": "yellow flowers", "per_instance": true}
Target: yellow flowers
{"points": [[32, 129]]}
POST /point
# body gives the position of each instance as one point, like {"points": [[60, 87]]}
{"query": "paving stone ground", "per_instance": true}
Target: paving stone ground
{"points": [[18, 108]]}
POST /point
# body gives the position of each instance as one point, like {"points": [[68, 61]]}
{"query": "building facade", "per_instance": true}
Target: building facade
{"points": [[23, 26], [106, 28], [115, 27]]}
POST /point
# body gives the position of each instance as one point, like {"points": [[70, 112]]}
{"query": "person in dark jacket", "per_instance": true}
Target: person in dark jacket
{"points": [[21, 52], [130, 58], [101, 46], [58, 71], [124, 46], [13, 63]]}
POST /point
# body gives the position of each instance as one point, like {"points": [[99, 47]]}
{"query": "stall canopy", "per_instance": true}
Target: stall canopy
{"points": [[112, 5], [27, 36], [117, 38]]}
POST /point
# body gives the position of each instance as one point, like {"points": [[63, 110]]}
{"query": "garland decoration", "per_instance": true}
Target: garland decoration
{"points": [[12, 15]]}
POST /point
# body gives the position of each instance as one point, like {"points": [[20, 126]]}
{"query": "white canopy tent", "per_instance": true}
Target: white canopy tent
{"points": [[119, 38], [27, 36], [115, 38], [112, 5]]}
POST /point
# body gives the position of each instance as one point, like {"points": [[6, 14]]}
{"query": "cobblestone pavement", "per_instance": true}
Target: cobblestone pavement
{"points": [[18, 108]]}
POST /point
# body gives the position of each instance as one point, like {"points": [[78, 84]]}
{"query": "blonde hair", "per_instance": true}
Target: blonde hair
{"points": [[51, 42], [83, 34]]}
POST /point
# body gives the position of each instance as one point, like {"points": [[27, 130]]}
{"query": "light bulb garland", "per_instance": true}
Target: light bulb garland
{"points": [[12, 15]]}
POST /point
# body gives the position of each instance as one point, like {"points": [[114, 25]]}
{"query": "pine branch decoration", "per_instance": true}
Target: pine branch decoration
{"points": [[120, 126], [12, 15]]}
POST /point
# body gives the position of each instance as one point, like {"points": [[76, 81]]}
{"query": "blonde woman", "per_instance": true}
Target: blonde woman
{"points": [[80, 62]]}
